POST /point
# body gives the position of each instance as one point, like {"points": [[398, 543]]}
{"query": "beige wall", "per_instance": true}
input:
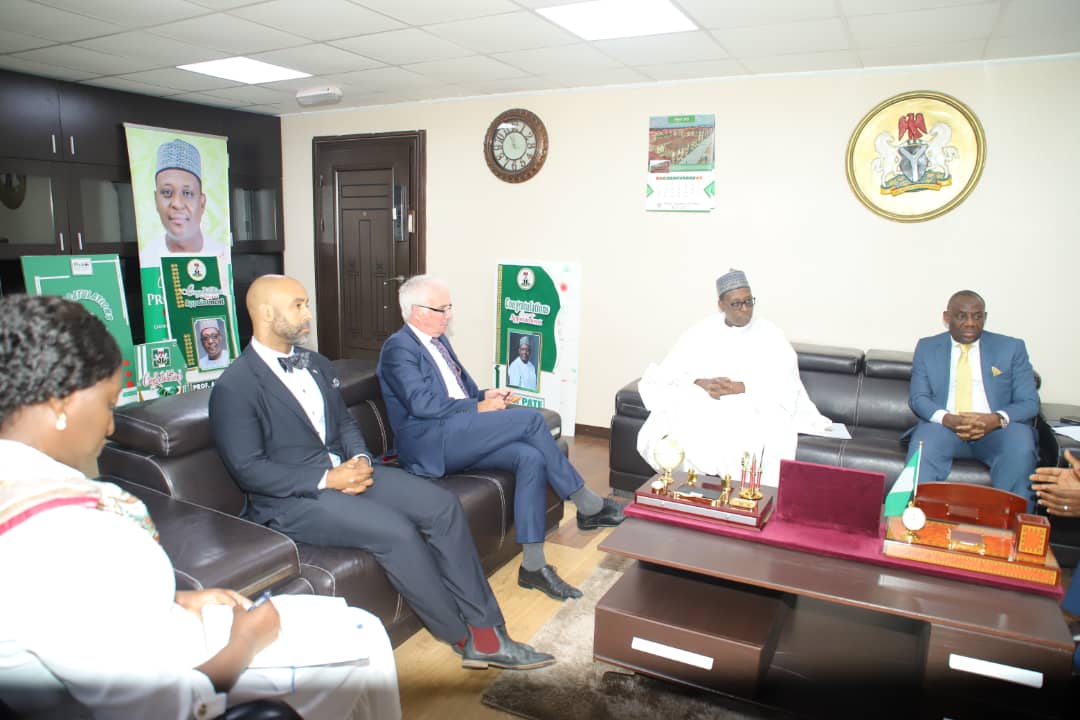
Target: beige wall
{"points": [[824, 268]]}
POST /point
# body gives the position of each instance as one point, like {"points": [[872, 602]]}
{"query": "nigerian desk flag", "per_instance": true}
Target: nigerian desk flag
{"points": [[906, 484]]}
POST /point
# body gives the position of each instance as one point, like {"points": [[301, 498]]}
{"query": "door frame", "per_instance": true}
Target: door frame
{"points": [[327, 254]]}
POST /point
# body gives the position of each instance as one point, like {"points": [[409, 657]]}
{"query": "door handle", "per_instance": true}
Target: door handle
{"points": [[399, 278], [61, 241], [78, 237]]}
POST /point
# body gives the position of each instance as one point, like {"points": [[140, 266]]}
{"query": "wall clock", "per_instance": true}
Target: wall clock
{"points": [[516, 145]]}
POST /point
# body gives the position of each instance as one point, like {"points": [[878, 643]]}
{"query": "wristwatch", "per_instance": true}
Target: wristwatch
{"points": [[1004, 419]]}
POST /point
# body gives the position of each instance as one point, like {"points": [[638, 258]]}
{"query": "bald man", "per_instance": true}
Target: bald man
{"points": [[282, 428]]}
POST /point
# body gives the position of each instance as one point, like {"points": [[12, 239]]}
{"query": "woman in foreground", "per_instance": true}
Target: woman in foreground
{"points": [[89, 595]]}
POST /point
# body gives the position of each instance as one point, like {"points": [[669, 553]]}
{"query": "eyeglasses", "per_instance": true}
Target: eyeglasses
{"points": [[444, 309], [741, 304]]}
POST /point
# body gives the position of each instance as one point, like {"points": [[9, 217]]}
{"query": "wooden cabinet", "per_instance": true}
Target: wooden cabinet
{"points": [[51, 208], [65, 186], [31, 108]]}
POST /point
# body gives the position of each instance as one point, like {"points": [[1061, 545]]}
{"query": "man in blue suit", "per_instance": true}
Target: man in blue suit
{"points": [[444, 423], [282, 428], [974, 393]]}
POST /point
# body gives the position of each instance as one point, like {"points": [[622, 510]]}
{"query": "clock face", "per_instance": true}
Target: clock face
{"points": [[515, 146]]}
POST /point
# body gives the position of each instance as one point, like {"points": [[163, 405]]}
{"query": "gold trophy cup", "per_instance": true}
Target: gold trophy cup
{"points": [[669, 455]]}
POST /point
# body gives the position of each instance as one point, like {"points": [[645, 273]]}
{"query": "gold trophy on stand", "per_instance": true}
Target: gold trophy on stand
{"points": [[669, 455]]}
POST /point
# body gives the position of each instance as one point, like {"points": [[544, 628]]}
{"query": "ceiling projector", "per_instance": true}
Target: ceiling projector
{"points": [[326, 95]]}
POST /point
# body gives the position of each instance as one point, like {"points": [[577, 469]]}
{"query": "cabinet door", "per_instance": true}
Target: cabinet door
{"points": [[254, 143], [92, 120], [33, 208], [101, 210], [31, 110], [255, 214]]}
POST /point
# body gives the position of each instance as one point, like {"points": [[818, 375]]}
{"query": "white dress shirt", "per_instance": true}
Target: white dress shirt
{"points": [[979, 401], [448, 375]]}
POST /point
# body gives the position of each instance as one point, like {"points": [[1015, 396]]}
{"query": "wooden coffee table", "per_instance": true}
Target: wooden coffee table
{"points": [[812, 633]]}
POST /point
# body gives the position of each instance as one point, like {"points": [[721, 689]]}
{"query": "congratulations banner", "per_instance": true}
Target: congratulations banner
{"points": [[95, 282], [180, 186], [537, 334]]}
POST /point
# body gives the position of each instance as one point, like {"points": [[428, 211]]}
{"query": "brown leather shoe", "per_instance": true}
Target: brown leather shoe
{"points": [[547, 581], [511, 655]]}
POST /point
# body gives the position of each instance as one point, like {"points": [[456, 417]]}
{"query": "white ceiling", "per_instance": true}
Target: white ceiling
{"points": [[392, 51]]}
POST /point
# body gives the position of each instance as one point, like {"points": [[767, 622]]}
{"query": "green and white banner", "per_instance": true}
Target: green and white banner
{"points": [[200, 315], [180, 184], [160, 369], [95, 282], [538, 334]]}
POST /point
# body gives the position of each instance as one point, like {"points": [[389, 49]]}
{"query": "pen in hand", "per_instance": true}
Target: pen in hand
{"points": [[259, 601]]}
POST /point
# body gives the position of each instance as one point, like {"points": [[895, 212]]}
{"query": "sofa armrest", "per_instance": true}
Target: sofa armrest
{"points": [[628, 401], [209, 548]]}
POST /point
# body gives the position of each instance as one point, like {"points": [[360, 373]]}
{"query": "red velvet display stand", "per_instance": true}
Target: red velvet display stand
{"points": [[836, 512]]}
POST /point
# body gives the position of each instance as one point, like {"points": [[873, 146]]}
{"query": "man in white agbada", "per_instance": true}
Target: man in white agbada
{"points": [[730, 385]]}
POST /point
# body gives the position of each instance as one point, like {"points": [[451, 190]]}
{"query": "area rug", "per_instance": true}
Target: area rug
{"points": [[576, 688]]}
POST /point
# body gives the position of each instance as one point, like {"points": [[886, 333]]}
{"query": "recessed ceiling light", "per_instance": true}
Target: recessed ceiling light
{"points": [[245, 70], [606, 19]]}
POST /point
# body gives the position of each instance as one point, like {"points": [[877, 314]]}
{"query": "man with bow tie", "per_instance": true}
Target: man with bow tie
{"points": [[284, 432]]}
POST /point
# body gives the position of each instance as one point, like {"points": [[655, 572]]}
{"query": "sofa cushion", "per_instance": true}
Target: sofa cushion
{"points": [[883, 403], [820, 450]]}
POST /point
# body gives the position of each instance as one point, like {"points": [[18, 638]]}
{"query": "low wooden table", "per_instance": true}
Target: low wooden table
{"points": [[813, 633]]}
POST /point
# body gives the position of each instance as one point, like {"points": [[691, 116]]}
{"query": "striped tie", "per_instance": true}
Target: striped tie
{"points": [[963, 381], [453, 365]]}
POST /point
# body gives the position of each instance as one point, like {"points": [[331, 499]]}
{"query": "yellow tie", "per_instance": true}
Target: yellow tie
{"points": [[963, 381]]}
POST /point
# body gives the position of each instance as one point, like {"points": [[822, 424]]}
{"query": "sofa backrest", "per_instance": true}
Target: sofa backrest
{"points": [[883, 398], [166, 444], [831, 376]]}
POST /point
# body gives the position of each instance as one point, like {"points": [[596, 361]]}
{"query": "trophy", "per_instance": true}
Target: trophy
{"points": [[669, 455]]}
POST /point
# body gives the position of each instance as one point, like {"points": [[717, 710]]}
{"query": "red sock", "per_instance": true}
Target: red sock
{"points": [[484, 639], [460, 644]]}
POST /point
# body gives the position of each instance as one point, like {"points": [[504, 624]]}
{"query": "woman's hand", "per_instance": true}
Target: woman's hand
{"points": [[252, 630]]}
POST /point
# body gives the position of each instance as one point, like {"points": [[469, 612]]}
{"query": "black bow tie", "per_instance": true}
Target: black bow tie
{"points": [[299, 360]]}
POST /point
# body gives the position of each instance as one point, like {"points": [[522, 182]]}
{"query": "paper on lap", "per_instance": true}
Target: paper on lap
{"points": [[315, 630]]}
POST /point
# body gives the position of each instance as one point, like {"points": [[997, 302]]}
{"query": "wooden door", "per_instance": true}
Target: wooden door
{"points": [[369, 237]]}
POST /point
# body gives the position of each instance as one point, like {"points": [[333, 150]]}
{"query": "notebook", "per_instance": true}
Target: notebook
{"points": [[315, 630]]}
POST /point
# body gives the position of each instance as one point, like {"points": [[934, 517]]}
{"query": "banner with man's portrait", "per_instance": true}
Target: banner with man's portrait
{"points": [[537, 334], [180, 184]]}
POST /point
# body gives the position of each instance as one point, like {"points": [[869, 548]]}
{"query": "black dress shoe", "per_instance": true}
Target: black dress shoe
{"points": [[511, 655], [547, 581], [609, 516]]}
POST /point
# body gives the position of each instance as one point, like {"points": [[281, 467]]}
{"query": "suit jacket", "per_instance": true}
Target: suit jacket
{"points": [[266, 439], [421, 411], [1011, 390]]}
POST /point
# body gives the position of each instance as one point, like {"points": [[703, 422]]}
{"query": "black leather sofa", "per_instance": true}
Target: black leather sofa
{"points": [[868, 392], [162, 451]]}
